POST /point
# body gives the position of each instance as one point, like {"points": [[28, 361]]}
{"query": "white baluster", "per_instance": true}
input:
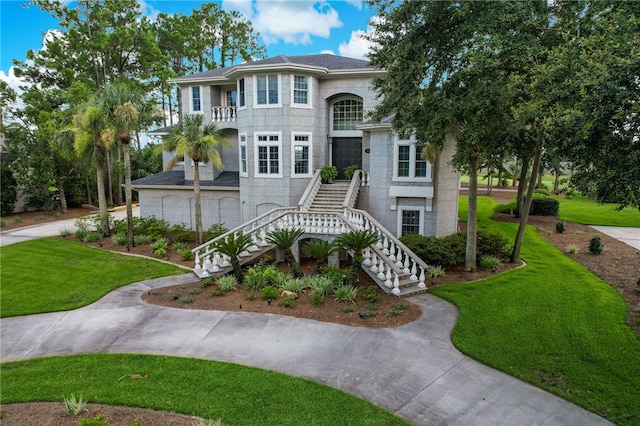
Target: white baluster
{"points": [[396, 286], [207, 263], [414, 271], [388, 282], [381, 270], [392, 251], [421, 283], [226, 261], [367, 257], [215, 263], [374, 263], [399, 261], [197, 266], [406, 263], [263, 238], [385, 246]]}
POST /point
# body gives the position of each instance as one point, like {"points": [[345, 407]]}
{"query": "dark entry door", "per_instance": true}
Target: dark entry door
{"points": [[345, 152]]}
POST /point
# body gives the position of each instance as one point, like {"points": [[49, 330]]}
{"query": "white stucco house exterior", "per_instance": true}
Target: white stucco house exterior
{"points": [[285, 118]]}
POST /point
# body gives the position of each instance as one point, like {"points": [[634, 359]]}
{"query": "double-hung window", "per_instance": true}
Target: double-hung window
{"points": [[196, 99], [410, 222], [267, 90], [243, 154], [301, 154], [300, 92], [268, 159], [241, 93], [409, 163]]}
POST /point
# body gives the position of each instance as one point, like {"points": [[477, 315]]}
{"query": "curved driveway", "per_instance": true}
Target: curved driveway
{"points": [[413, 371]]}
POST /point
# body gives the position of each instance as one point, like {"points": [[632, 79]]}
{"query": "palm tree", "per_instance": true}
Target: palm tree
{"points": [[285, 239], [199, 142], [356, 241], [92, 140], [123, 116], [232, 245], [320, 250]]}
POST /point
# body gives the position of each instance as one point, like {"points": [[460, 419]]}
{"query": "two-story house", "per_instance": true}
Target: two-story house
{"points": [[286, 117]]}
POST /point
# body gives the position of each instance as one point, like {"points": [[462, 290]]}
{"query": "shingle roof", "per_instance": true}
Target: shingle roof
{"points": [[323, 60], [176, 178]]}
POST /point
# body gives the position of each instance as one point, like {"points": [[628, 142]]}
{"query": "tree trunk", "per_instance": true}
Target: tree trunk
{"points": [[524, 216], [102, 201], [126, 150], [88, 189], [109, 177], [472, 218], [198, 206], [500, 173], [294, 266], [237, 270], [63, 197], [556, 183], [118, 180], [522, 185]]}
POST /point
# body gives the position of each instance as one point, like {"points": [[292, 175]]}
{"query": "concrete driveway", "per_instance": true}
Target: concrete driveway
{"points": [[413, 371], [629, 236]]}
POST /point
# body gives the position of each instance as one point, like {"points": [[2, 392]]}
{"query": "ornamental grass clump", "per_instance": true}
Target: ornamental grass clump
{"points": [[227, 283], [346, 293], [74, 406]]}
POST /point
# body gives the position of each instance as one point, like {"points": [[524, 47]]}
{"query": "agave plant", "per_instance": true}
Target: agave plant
{"points": [[232, 245], [356, 241], [285, 239], [320, 250]]}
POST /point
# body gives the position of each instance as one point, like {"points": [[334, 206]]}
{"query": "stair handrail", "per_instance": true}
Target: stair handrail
{"points": [[352, 194], [280, 211], [310, 192], [392, 238]]}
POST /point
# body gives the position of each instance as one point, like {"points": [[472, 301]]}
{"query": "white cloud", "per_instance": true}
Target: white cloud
{"points": [[15, 83], [148, 10], [355, 3], [290, 21]]}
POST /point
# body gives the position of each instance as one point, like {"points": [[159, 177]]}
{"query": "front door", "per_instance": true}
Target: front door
{"points": [[345, 152]]}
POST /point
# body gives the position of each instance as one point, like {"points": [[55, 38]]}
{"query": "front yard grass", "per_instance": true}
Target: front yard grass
{"points": [[553, 324], [51, 274], [238, 395], [589, 212]]}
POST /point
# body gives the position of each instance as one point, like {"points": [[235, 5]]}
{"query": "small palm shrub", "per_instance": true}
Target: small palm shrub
{"points": [[92, 237], [186, 254], [321, 285], [560, 227], [159, 247], [227, 283], [120, 238], [491, 262], [596, 245], [270, 292], [142, 239], [74, 406], [296, 286], [346, 293], [434, 271], [178, 246], [572, 248]]}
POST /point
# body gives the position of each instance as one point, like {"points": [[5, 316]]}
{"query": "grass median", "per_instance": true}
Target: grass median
{"points": [[52, 274], [208, 389]]}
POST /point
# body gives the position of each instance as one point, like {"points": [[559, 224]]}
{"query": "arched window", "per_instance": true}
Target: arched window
{"points": [[347, 114]]}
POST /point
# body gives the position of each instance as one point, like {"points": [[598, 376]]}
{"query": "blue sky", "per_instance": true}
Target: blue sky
{"points": [[289, 27]]}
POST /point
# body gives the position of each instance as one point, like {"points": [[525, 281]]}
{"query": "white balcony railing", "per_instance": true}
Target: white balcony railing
{"points": [[222, 114]]}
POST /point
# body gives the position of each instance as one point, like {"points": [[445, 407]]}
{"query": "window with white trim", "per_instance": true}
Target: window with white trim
{"points": [[196, 99], [347, 114], [231, 98], [267, 90], [410, 222], [243, 154], [301, 154], [268, 161], [408, 162], [241, 93], [300, 92]]}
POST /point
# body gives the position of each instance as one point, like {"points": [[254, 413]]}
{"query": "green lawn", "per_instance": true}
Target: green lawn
{"points": [[553, 324], [592, 213], [52, 274], [208, 389]]}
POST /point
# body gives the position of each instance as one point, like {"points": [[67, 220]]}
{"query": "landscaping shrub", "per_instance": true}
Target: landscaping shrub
{"points": [[214, 231], [596, 245], [446, 251], [8, 191], [270, 292], [560, 227], [346, 293], [184, 237], [542, 191], [227, 283], [544, 206], [492, 244], [508, 207]]}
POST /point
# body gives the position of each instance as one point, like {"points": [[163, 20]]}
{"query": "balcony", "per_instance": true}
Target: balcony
{"points": [[224, 114]]}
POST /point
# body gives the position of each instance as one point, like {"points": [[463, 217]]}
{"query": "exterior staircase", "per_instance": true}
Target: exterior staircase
{"points": [[330, 197], [326, 211]]}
